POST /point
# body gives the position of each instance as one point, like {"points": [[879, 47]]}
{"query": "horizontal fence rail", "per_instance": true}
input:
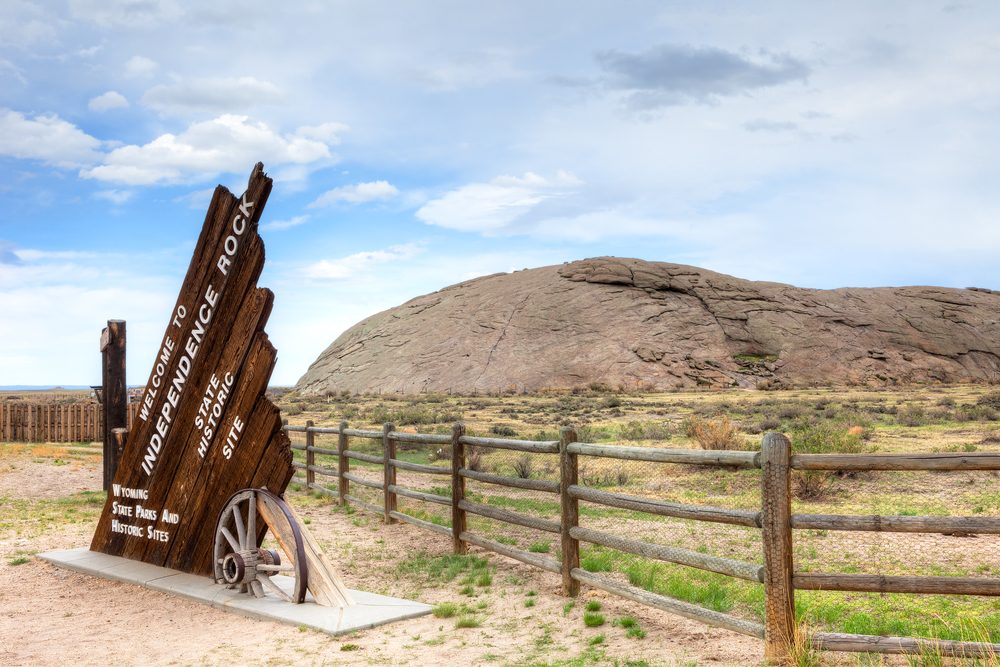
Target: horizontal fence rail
{"points": [[774, 519], [689, 456]]}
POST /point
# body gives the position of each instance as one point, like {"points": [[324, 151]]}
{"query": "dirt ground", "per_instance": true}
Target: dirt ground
{"points": [[51, 616]]}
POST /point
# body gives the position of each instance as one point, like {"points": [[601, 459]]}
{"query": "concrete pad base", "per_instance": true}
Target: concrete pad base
{"points": [[371, 609]]}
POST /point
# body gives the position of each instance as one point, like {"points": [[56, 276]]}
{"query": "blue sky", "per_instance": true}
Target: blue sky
{"points": [[414, 145]]}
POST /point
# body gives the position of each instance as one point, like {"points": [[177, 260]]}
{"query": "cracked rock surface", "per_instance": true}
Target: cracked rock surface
{"points": [[652, 325]]}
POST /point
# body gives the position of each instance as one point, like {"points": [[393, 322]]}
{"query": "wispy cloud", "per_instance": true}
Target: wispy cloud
{"points": [[359, 193], [218, 95], [359, 263], [116, 197], [280, 225], [498, 204], [140, 67], [764, 125], [107, 101], [676, 74]]}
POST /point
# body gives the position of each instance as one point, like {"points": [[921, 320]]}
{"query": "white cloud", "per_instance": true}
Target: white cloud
{"points": [[140, 67], [494, 206], [199, 199], [359, 263], [359, 193], [48, 138], [227, 144], [219, 95], [15, 71], [280, 225], [107, 101], [116, 197], [125, 13]]}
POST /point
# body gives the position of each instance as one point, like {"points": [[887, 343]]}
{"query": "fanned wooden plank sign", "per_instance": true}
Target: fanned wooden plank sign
{"points": [[205, 428]]}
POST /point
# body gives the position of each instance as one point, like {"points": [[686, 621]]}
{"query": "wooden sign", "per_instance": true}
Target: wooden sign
{"points": [[205, 428]]}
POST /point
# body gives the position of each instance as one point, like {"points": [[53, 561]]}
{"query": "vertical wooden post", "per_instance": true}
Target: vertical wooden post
{"points": [[343, 464], [115, 403], [310, 455], [389, 478], [776, 525], [570, 512], [457, 489]]}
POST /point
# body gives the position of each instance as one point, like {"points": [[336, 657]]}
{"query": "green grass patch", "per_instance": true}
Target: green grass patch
{"points": [[467, 622], [445, 609], [593, 619]]}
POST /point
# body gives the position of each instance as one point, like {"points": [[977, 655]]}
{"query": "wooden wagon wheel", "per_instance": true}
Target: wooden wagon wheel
{"points": [[241, 563]]}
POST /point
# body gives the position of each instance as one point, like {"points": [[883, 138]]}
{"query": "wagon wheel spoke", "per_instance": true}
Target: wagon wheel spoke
{"points": [[240, 530], [275, 568], [256, 588], [229, 538], [274, 587], [252, 522]]}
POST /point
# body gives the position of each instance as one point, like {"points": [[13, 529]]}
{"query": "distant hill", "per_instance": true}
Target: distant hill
{"points": [[634, 324]]}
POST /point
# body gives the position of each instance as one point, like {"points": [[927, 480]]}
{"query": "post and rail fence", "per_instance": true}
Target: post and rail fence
{"points": [[55, 422], [775, 521]]}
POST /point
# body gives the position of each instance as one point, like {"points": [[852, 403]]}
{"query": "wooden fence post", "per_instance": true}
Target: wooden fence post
{"points": [[343, 464], [776, 526], [389, 477], [310, 455], [115, 395], [570, 512], [457, 489]]}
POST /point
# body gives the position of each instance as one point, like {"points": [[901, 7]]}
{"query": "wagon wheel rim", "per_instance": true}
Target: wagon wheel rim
{"points": [[239, 561]]}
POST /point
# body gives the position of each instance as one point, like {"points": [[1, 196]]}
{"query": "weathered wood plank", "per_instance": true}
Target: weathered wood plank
{"points": [[421, 438], [537, 560], [419, 495], [458, 519], [354, 501], [545, 485], [419, 467], [727, 566], [678, 510], [371, 484], [663, 455], [509, 517], [361, 456], [876, 583], [324, 582], [985, 525], [420, 523], [536, 447], [833, 641], [685, 609], [569, 510], [935, 461], [776, 527]]}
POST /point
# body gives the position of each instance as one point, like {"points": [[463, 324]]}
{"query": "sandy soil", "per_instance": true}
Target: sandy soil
{"points": [[52, 616]]}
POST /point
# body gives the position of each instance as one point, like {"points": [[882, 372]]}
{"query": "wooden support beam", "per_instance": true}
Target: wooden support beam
{"points": [[569, 511], [458, 520], [776, 524], [310, 454], [389, 472], [343, 464], [115, 401]]}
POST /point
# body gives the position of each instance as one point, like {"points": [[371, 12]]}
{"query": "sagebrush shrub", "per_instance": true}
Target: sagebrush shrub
{"points": [[715, 434]]}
